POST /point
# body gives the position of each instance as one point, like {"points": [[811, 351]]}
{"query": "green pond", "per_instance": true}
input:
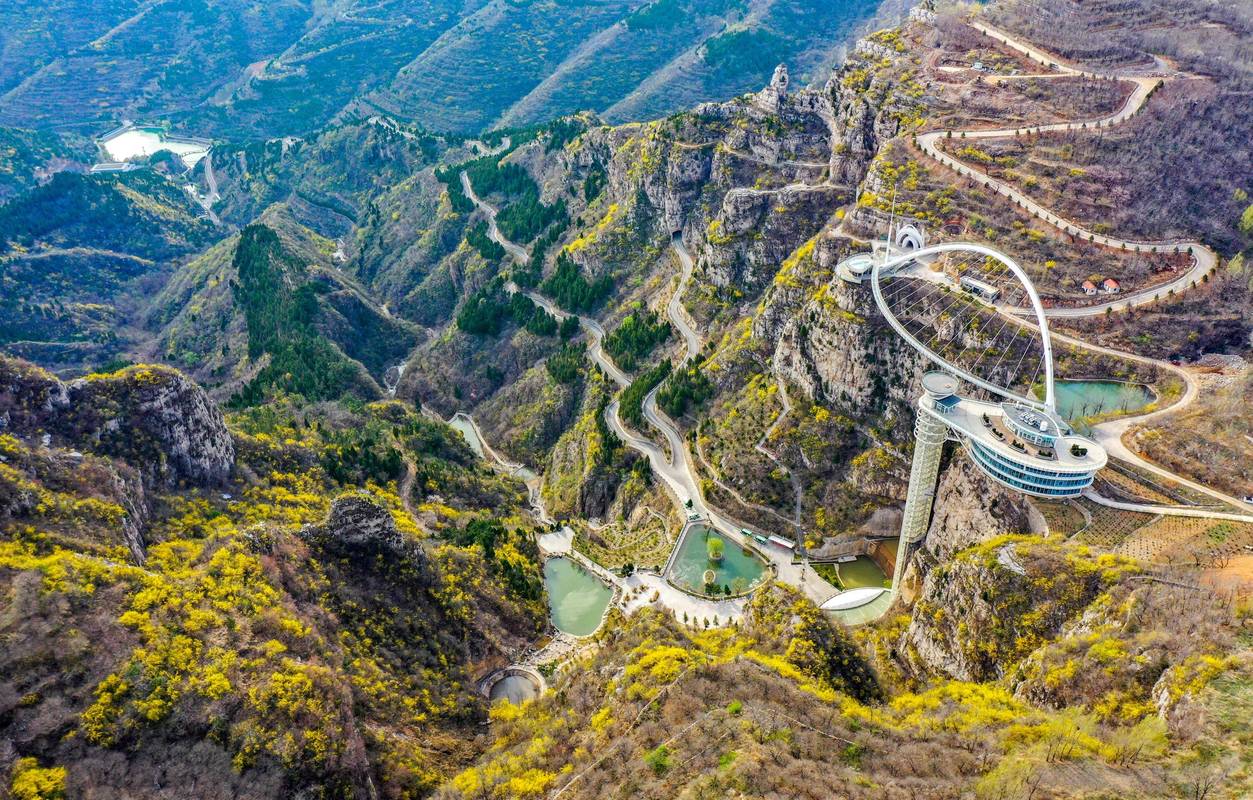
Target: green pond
{"points": [[577, 599], [466, 428], [860, 573], [738, 568], [1079, 399]]}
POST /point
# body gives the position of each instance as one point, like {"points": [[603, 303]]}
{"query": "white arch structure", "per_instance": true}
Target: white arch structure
{"points": [[1037, 307], [908, 237]]}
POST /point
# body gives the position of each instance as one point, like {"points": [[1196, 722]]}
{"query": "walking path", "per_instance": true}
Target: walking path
{"points": [[731, 490], [1170, 511], [1204, 259], [1109, 434], [760, 447]]}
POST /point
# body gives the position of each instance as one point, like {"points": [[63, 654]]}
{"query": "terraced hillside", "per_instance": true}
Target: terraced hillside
{"points": [[231, 68]]}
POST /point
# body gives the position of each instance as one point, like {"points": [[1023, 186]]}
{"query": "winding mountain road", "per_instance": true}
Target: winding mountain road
{"points": [[1204, 259], [1108, 434], [674, 309], [675, 469]]}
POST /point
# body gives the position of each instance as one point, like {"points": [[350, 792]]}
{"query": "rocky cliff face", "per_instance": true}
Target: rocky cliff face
{"points": [[358, 527], [745, 181], [988, 606], [971, 508], [154, 418], [830, 339]]}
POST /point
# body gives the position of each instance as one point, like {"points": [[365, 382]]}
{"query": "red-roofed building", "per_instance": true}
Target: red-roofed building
{"points": [[1110, 286], [1089, 287]]}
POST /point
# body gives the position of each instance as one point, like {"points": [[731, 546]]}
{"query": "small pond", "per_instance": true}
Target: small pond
{"points": [[861, 572], [739, 569], [577, 599], [465, 427], [515, 688], [1079, 399]]}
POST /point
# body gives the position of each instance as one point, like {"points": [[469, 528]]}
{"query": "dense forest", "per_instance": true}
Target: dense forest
{"points": [[567, 364], [280, 324], [477, 238], [571, 290], [686, 388], [522, 215], [633, 396], [489, 309]]}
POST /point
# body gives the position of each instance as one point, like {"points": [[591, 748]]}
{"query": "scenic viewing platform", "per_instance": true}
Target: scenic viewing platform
{"points": [[1019, 442], [1026, 449]]}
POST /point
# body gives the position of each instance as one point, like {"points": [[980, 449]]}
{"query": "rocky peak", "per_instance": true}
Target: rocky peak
{"points": [[773, 95], [358, 525]]}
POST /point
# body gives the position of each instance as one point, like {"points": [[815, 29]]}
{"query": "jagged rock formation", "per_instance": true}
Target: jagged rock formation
{"points": [[830, 340], [971, 508], [776, 91], [988, 606], [359, 527], [154, 418]]}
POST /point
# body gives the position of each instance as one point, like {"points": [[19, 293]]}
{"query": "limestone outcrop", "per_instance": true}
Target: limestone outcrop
{"points": [[359, 526], [154, 418], [971, 508], [988, 606], [157, 416]]}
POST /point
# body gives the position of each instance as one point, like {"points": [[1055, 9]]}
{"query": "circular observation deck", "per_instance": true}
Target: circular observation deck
{"points": [[1020, 442]]}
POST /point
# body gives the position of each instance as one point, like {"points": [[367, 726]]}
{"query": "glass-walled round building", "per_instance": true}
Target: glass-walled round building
{"points": [[1028, 449]]}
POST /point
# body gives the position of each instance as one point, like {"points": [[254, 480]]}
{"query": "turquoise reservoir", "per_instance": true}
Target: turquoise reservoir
{"points": [[739, 568], [1079, 399]]}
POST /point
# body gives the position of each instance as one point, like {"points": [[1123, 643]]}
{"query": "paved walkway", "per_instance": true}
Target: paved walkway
{"points": [[1110, 434], [1169, 511], [674, 309]]}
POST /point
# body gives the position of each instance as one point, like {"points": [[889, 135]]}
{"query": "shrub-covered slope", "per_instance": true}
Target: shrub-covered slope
{"points": [[309, 623]]}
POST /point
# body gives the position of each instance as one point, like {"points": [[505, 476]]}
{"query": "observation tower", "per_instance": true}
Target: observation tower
{"points": [[1015, 439]]}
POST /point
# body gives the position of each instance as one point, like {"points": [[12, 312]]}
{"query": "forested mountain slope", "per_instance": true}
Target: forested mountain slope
{"points": [[227, 68]]}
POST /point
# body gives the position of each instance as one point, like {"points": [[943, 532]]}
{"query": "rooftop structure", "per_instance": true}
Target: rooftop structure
{"points": [[1024, 448], [899, 242], [980, 288]]}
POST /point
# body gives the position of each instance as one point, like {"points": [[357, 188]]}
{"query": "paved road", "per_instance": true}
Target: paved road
{"points": [[1204, 259], [1170, 511], [674, 309], [517, 252], [1109, 434], [675, 469]]}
